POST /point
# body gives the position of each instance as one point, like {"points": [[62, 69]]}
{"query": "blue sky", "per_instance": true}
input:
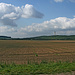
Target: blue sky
{"points": [[29, 18]]}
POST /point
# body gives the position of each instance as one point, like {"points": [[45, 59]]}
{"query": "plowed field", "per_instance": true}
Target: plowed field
{"points": [[21, 51]]}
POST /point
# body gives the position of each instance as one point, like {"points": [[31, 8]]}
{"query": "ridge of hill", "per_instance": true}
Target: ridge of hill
{"points": [[5, 37], [53, 37]]}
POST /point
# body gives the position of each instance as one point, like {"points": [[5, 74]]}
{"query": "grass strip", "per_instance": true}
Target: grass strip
{"points": [[35, 68]]}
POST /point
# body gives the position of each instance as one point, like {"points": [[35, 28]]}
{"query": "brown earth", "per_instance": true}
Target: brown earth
{"points": [[22, 51]]}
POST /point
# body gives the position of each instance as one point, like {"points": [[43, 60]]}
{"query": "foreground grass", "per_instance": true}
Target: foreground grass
{"points": [[35, 68]]}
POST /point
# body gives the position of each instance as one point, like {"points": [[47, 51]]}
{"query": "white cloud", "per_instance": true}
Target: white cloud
{"points": [[72, 0], [62, 25], [74, 16], [9, 13], [57, 23], [3, 29], [30, 12], [58, 0], [64, 0]]}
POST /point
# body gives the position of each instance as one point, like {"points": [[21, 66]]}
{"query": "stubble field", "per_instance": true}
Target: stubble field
{"points": [[22, 51]]}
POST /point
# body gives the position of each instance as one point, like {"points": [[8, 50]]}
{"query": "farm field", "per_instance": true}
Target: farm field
{"points": [[22, 51]]}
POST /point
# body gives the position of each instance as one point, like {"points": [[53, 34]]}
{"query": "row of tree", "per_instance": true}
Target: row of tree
{"points": [[53, 37]]}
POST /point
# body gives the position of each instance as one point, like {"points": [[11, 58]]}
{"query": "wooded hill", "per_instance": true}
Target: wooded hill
{"points": [[53, 37], [5, 37]]}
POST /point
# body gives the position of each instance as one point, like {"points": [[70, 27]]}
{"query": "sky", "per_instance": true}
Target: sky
{"points": [[31, 18]]}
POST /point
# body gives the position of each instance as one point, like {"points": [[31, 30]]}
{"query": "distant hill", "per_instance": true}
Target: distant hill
{"points": [[5, 37], [53, 37]]}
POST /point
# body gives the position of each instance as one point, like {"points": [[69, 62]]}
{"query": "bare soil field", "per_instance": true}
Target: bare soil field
{"points": [[22, 51]]}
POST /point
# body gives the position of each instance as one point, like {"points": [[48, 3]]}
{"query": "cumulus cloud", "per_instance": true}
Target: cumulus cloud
{"points": [[10, 13], [47, 27], [58, 0], [62, 25], [72, 0], [64, 0], [3, 29], [74, 16], [30, 12], [53, 24]]}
